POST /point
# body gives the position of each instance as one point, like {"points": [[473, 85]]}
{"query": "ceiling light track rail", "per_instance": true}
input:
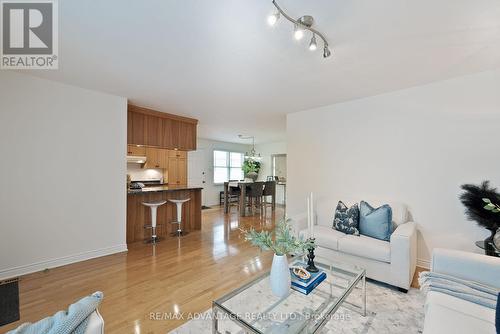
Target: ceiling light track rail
{"points": [[301, 24]]}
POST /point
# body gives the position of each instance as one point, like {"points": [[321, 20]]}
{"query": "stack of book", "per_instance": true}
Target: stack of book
{"points": [[306, 286]]}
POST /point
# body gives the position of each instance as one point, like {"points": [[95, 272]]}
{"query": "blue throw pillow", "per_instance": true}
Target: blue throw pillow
{"points": [[375, 223], [346, 219]]}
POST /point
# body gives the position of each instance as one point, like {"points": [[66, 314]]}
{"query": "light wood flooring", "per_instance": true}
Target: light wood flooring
{"points": [[177, 275]]}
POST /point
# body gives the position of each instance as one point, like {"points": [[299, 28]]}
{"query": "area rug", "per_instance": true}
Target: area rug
{"points": [[388, 311]]}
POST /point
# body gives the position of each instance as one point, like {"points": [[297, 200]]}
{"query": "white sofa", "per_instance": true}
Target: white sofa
{"points": [[446, 314], [392, 262], [95, 324]]}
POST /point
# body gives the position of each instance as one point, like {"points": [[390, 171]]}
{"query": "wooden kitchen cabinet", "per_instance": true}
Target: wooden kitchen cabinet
{"points": [[152, 128], [182, 172], [177, 154], [136, 128], [153, 131], [136, 150], [173, 171], [187, 136], [177, 168], [166, 137], [156, 158]]}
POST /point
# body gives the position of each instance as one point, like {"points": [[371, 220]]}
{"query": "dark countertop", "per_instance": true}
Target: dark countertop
{"points": [[160, 189]]}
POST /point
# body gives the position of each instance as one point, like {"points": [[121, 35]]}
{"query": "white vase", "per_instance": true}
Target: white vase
{"points": [[280, 276]]}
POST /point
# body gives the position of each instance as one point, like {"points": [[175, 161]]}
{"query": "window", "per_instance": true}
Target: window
{"points": [[227, 166]]}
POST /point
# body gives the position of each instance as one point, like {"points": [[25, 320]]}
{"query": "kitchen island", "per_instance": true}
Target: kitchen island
{"points": [[139, 215]]}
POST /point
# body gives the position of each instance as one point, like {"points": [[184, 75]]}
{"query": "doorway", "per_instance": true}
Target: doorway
{"points": [[197, 173], [278, 169]]}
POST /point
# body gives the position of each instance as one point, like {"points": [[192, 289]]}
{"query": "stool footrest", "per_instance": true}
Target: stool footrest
{"points": [[179, 233], [151, 226]]}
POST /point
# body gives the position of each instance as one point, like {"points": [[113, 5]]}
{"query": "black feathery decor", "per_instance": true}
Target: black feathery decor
{"points": [[472, 199]]}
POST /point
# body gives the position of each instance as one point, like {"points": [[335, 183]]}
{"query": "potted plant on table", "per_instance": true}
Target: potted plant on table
{"points": [[282, 243], [495, 208], [251, 168], [473, 199]]}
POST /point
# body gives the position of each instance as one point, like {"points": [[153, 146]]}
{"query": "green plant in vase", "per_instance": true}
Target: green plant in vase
{"points": [[251, 168], [282, 242], [495, 208]]}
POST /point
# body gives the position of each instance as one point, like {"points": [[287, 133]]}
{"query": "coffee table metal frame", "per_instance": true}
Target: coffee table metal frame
{"points": [[217, 305]]}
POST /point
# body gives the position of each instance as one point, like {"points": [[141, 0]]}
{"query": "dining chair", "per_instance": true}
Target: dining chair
{"points": [[269, 190], [254, 193], [233, 193]]}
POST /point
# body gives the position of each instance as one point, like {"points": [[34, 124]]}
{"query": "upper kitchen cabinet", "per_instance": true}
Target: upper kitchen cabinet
{"points": [[136, 150], [153, 128], [187, 136], [173, 134], [153, 131], [136, 128]]}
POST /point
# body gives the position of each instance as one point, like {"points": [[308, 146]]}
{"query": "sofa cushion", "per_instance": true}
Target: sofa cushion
{"points": [[346, 219], [375, 223], [325, 208], [95, 324], [366, 247], [448, 314], [325, 236]]}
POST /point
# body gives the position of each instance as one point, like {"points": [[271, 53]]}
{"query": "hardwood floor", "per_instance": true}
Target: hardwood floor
{"points": [[177, 275]]}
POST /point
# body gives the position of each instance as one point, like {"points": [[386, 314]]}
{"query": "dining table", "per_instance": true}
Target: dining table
{"points": [[242, 185]]}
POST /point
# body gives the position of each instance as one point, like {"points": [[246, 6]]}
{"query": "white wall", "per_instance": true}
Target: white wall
{"points": [[416, 145], [266, 151], [202, 160], [62, 193]]}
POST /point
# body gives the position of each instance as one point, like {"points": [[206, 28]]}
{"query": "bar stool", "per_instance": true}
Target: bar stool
{"points": [[178, 203], [154, 207]]}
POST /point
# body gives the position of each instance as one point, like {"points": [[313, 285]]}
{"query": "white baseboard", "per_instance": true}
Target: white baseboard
{"points": [[426, 264], [52, 263]]}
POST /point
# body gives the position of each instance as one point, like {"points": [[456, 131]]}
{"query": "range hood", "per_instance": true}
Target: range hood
{"points": [[135, 159]]}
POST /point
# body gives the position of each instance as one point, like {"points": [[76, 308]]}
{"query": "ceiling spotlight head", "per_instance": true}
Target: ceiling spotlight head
{"points": [[273, 18], [313, 45], [298, 32], [326, 52], [306, 20]]}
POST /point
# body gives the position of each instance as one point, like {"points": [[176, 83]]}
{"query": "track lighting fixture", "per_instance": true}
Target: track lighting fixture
{"points": [[313, 45], [273, 18], [326, 52], [301, 25], [298, 32]]}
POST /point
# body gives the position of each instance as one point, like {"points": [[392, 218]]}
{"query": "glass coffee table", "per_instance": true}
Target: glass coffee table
{"points": [[254, 309]]}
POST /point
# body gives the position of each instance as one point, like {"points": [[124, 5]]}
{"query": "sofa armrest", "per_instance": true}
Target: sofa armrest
{"points": [[95, 324], [404, 253], [469, 266], [298, 223]]}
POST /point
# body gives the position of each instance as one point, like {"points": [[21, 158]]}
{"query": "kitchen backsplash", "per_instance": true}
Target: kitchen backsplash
{"points": [[137, 173]]}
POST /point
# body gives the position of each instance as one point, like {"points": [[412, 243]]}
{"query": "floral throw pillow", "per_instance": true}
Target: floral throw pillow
{"points": [[346, 219]]}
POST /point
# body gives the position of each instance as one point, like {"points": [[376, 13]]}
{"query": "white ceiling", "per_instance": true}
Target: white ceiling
{"points": [[219, 61]]}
